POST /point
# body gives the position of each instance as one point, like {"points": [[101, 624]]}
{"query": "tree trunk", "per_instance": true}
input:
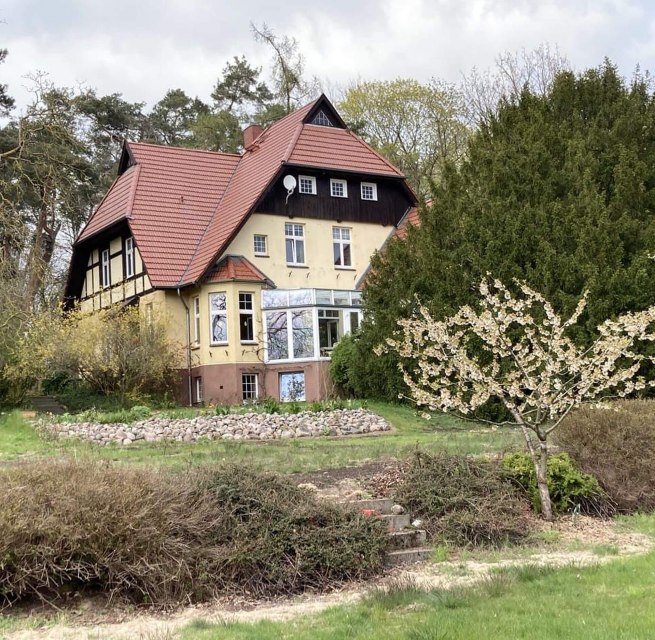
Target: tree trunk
{"points": [[540, 462], [541, 467]]}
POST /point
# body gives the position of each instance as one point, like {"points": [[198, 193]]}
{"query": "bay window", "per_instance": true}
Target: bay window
{"points": [[304, 324], [196, 320], [218, 318], [246, 324]]}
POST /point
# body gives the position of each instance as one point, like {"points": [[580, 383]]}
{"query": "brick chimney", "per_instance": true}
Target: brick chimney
{"points": [[250, 134]]}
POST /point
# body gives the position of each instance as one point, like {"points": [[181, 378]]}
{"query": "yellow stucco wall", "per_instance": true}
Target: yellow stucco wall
{"points": [[203, 352], [319, 270]]}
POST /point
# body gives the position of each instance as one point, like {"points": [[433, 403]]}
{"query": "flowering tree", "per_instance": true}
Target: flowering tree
{"points": [[517, 349]]}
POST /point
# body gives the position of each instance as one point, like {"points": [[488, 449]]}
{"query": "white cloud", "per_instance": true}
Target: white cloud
{"points": [[142, 49]]}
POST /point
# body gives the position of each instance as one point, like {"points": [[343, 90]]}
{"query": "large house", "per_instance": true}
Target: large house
{"points": [[255, 259]]}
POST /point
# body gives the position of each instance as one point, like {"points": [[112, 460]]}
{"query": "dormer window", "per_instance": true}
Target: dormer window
{"points": [[338, 188], [369, 191], [307, 185], [322, 120]]}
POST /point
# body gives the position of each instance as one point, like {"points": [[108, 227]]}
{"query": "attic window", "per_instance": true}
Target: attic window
{"points": [[307, 184], [321, 119], [338, 188], [369, 191]]}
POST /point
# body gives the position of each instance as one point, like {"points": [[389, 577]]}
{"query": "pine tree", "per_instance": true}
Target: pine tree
{"points": [[556, 189]]}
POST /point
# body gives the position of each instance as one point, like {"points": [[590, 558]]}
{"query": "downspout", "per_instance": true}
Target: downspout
{"points": [[188, 346]]}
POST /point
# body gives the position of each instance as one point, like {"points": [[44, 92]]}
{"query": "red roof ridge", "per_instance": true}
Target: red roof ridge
{"points": [[298, 113], [292, 143], [172, 147], [135, 182]]}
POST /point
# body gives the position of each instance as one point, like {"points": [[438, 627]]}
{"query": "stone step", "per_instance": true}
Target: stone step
{"points": [[407, 556], [381, 506], [396, 523], [407, 539]]}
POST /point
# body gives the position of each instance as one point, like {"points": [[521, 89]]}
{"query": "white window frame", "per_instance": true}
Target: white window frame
{"points": [[289, 315], [247, 312], [312, 184], [105, 269], [256, 389], [220, 313], [199, 389], [374, 189], [130, 262], [327, 314], [337, 181], [342, 242], [254, 244], [283, 374], [196, 320], [294, 238]]}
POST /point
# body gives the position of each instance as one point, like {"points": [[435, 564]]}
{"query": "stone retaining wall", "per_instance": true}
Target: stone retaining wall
{"points": [[249, 426]]}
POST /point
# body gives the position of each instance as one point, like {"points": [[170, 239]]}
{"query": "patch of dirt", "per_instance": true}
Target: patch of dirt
{"points": [[574, 542], [346, 483]]}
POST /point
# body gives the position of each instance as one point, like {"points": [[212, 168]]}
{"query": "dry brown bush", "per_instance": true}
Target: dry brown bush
{"points": [[464, 501], [277, 538], [616, 444], [135, 533], [157, 537]]}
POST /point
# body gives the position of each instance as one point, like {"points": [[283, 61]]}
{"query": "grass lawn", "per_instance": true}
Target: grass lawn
{"points": [[609, 602], [19, 440]]}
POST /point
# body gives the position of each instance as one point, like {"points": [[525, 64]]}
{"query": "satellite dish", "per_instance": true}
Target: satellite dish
{"points": [[289, 183]]}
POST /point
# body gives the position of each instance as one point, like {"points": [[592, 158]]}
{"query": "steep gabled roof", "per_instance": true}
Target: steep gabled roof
{"points": [[174, 194], [185, 206], [259, 165], [115, 206]]}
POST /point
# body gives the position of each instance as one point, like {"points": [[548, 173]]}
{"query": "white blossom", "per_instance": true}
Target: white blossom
{"points": [[516, 348]]}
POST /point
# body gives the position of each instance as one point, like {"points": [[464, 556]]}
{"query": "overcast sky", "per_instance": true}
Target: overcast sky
{"points": [[141, 48]]}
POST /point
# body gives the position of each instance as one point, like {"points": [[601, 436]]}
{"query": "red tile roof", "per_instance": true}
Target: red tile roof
{"points": [[235, 269], [258, 166], [335, 148], [411, 218], [115, 206], [184, 206], [168, 211]]}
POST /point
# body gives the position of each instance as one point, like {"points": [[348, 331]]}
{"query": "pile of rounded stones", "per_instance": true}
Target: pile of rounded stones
{"points": [[248, 426]]}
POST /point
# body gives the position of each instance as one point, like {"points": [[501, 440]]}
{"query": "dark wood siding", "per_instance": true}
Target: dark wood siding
{"points": [[392, 203]]}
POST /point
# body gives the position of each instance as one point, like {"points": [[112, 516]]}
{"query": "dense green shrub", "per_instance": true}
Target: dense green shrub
{"points": [[569, 487], [463, 501], [154, 537], [342, 362], [616, 444], [556, 190]]}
